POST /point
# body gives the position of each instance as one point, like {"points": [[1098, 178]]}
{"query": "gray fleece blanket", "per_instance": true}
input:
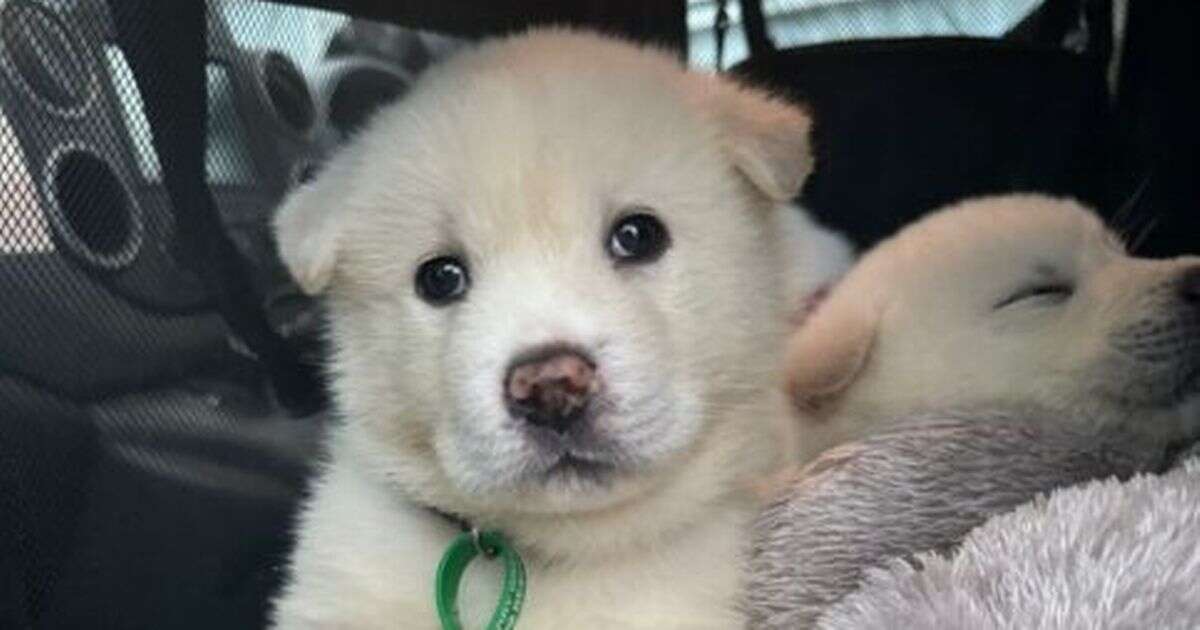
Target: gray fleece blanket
{"points": [[945, 523]]}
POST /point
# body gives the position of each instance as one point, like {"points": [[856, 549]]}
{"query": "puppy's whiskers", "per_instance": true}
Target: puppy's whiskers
{"points": [[1131, 226]]}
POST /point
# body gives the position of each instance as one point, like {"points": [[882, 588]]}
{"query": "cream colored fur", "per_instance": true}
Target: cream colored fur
{"points": [[914, 326], [518, 156]]}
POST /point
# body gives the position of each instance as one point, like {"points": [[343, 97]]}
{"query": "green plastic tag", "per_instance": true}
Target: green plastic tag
{"points": [[459, 554]]}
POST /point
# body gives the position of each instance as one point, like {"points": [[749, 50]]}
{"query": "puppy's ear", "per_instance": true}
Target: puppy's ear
{"points": [[307, 232], [767, 138], [830, 350]]}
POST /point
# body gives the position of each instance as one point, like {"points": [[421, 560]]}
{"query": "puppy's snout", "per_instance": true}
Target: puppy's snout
{"points": [[1190, 287], [550, 389]]}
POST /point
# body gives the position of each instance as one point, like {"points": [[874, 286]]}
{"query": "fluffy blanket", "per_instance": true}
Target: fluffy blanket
{"points": [[894, 506], [1103, 555]]}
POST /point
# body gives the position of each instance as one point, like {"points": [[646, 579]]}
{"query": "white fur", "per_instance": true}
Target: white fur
{"points": [[825, 256], [912, 327], [519, 155]]}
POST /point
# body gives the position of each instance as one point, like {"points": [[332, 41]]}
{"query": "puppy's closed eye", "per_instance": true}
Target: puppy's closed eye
{"points": [[1041, 293]]}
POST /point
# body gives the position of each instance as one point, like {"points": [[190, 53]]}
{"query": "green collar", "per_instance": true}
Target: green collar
{"points": [[462, 550]]}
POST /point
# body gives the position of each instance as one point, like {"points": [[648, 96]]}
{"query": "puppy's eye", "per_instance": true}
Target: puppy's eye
{"points": [[638, 238], [442, 280], [1050, 294]]}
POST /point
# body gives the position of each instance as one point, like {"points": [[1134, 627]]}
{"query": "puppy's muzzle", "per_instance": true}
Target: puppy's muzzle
{"points": [[550, 388]]}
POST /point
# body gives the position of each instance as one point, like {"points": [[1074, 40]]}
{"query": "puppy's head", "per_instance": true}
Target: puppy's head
{"points": [[554, 272], [1003, 300]]}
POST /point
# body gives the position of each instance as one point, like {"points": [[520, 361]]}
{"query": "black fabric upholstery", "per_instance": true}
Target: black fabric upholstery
{"points": [[155, 510], [48, 454], [1156, 107], [904, 126]]}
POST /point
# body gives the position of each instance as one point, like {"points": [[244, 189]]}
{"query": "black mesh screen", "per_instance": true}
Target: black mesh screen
{"points": [[148, 462]]}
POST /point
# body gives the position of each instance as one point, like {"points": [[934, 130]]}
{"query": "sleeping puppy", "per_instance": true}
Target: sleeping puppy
{"points": [[1000, 302], [992, 351], [559, 273]]}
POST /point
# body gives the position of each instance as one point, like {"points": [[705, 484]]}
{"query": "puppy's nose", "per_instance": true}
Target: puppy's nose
{"points": [[1191, 286], [550, 388]]}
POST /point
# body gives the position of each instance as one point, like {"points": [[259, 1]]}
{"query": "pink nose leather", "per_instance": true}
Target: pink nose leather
{"points": [[551, 390]]}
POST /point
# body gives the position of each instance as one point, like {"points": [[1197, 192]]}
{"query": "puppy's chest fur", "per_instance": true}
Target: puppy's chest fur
{"points": [[367, 561]]}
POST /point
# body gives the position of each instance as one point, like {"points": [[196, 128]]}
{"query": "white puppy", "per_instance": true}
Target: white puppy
{"points": [[559, 275], [1002, 301]]}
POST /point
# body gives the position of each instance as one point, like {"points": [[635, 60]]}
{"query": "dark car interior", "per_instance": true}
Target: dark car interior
{"points": [[161, 387]]}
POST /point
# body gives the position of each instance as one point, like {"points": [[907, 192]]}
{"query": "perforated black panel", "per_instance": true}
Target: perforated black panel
{"points": [[148, 471]]}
